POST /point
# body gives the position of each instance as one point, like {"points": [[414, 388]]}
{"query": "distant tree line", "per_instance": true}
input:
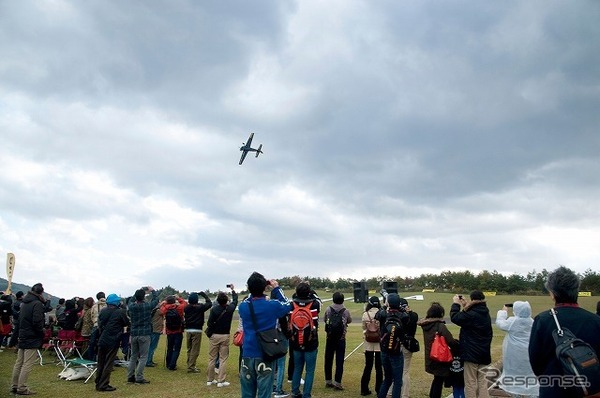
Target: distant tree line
{"points": [[453, 281], [447, 281]]}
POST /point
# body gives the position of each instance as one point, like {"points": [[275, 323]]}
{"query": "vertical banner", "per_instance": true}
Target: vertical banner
{"points": [[10, 268]]}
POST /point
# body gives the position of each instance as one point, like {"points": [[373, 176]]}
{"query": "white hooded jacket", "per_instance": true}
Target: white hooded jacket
{"points": [[517, 376]]}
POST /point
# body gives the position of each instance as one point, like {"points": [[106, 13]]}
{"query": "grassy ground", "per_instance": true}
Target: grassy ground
{"points": [[167, 384]]}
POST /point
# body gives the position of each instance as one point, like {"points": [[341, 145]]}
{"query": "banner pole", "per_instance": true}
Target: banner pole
{"points": [[10, 268]]}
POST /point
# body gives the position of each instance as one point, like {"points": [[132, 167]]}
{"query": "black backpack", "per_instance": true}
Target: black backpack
{"points": [[393, 334], [577, 358], [173, 320], [335, 324]]}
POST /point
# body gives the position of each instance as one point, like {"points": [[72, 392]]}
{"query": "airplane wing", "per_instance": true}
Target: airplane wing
{"points": [[249, 142], [244, 153]]}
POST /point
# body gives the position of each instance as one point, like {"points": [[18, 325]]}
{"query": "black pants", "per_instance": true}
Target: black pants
{"points": [[106, 359], [437, 385], [291, 365], [366, 377], [334, 348]]}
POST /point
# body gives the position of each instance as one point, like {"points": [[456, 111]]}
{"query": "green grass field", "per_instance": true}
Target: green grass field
{"points": [[168, 384]]}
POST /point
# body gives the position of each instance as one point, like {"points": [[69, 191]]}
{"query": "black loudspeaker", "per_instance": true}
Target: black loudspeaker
{"points": [[361, 294], [390, 286]]}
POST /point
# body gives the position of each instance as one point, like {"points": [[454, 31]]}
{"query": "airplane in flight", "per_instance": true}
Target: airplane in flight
{"points": [[246, 147]]}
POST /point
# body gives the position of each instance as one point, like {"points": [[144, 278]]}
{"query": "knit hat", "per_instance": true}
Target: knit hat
{"points": [[193, 299], [113, 299], [393, 301]]}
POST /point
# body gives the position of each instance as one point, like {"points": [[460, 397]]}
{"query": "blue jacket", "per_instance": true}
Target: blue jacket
{"points": [[267, 312]]}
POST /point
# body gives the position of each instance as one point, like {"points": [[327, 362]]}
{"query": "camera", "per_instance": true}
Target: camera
{"points": [[460, 296], [509, 305], [229, 286]]}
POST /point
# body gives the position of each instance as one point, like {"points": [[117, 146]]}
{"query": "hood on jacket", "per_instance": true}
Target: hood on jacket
{"points": [[32, 296], [474, 303], [522, 309], [429, 323]]}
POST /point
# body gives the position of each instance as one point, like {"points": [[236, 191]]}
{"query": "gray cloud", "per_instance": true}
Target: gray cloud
{"points": [[397, 136]]}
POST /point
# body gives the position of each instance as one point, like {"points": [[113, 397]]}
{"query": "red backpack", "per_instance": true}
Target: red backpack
{"points": [[300, 320]]}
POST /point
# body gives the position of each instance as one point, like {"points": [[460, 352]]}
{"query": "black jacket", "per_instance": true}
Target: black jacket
{"points": [[194, 313], [475, 331], [584, 324], [111, 322], [31, 321], [220, 316]]}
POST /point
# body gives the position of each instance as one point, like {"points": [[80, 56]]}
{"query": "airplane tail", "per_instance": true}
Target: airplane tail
{"points": [[258, 151]]}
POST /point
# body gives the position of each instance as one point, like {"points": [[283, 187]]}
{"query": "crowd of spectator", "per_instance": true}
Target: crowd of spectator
{"points": [[133, 325]]}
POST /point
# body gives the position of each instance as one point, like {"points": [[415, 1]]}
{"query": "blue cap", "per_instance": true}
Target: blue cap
{"points": [[113, 299]]}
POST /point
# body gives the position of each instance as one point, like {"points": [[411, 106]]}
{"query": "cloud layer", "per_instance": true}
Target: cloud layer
{"points": [[399, 138]]}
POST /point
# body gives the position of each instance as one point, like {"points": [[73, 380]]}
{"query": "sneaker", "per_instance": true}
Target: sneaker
{"points": [[338, 386], [368, 392], [193, 370], [150, 365], [210, 383], [281, 394], [131, 379], [26, 392], [329, 384], [143, 381], [223, 384]]}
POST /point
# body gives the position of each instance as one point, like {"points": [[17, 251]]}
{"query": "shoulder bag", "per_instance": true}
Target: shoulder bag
{"points": [[273, 342], [440, 352]]}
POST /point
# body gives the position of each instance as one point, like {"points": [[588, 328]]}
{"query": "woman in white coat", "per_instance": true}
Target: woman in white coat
{"points": [[517, 376]]}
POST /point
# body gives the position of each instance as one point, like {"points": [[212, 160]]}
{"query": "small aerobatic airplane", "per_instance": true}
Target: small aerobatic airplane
{"points": [[246, 147]]}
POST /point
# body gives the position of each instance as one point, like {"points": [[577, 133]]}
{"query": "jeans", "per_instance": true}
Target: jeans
{"points": [[280, 366], [139, 356], [393, 366], [300, 359], [173, 349], [337, 348], [154, 338], [90, 352], [256, 378]]}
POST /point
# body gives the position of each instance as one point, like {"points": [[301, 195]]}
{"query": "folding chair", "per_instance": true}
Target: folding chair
{"points": [[48, 343], [90, 366], [66, 345]]}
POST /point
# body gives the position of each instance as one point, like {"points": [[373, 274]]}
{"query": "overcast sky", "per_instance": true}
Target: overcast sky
{"points": [[399, 138]]}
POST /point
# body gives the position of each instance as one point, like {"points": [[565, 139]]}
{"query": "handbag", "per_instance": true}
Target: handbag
{"points": [[411, 344], [238, 338], [440, 352], [273, 342]]}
